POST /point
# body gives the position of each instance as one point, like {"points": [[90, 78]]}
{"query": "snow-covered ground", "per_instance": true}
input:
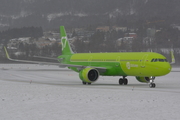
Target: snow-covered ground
{"points": [[33, 92]]}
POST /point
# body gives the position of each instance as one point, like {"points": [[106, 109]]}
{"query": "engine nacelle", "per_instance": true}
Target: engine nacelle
{"points": [[145, 79], [89, 75]]}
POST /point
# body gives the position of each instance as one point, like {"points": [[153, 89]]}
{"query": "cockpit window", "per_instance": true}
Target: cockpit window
{"points": [[155, 60], [158, 60]]}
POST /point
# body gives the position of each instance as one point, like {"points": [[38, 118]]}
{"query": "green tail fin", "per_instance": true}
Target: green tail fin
{"points": [[66, 49]]}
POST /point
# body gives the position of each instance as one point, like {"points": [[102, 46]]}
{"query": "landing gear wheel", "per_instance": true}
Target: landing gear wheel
{"points": [[121, 81], [125, 81], [84, 83], [152, 85]]}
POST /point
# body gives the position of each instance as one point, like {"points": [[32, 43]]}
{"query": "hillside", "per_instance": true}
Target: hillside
{"points": [[52, 13]]}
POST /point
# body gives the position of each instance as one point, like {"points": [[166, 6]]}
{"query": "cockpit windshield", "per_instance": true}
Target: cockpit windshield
{"points": [[158, 60]]}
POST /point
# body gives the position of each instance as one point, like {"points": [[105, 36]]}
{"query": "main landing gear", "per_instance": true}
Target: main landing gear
{"points": [[123, 80], [84, 83]]}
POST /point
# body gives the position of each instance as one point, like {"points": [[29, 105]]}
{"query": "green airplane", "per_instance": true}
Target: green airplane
{"points": [[145, 66]]}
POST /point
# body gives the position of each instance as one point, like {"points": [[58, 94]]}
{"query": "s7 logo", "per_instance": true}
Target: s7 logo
{"points": [[64, 41]]}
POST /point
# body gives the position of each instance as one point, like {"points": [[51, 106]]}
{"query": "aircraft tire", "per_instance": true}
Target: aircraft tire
{"points": [[84, 83], [121, 81], [125, 81], [152, 85]]}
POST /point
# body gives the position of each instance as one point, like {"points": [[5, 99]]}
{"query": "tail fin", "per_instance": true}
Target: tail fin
{"points": [[66, 49]]}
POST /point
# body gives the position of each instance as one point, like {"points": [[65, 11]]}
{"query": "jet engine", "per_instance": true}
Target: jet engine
{"points": [[145, 79], [89, 75]]}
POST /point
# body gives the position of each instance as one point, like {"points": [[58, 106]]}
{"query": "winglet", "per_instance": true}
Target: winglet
{"points": [[172, 57], [7, 55]]}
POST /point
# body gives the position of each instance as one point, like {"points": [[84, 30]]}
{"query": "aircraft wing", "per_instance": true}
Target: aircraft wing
{"points": [[46, 58], [101, 69], [27, 61]]}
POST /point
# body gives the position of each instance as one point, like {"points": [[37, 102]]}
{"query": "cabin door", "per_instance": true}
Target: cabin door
{"points": [[143, 61]]}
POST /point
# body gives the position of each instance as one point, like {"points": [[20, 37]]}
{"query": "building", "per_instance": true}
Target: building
{"points": [[103, 28], [119, 28], [151, 32], [133, 35]]}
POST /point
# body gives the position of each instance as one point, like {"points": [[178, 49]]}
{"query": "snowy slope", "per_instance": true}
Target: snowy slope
{"points": [[32, 92]]}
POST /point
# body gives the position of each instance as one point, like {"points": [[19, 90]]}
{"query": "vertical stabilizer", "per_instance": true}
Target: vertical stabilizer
{"points": [[66, 49]]}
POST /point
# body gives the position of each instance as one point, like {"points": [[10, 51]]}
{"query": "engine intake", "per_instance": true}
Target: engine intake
{"points": [[145, 79], [89, 75]]}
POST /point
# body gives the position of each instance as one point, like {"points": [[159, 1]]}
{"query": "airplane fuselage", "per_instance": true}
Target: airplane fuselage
{"points": [[122, 64]]}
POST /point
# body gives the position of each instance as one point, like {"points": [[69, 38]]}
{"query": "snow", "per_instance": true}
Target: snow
{"points": [[33, 92]]}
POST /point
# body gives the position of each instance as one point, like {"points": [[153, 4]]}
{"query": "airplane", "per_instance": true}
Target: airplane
{"points": [[145, 66]]}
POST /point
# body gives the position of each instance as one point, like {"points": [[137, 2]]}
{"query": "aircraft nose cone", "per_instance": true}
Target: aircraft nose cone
{"points": [[166, 68]]}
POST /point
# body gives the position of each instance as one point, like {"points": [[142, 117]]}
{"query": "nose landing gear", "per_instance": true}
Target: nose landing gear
{"points": [[152, 84]]}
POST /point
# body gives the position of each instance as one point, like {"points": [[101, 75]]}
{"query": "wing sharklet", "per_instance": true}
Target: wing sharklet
{"points": [[172, 57]]}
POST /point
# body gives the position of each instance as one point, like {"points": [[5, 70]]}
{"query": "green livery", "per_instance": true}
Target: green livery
{"points": [[145, 66]]}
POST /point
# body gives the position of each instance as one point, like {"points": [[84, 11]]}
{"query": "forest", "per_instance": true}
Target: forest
{"points": [[100, 41]]}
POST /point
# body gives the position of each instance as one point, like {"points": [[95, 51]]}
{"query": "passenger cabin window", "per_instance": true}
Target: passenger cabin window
{"points": [[158, 60]]}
